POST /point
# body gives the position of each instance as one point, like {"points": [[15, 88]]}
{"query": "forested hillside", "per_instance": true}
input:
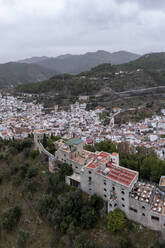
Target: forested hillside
{"points": [[39, 210], [138, 83], [69, 63], [12, 74]]}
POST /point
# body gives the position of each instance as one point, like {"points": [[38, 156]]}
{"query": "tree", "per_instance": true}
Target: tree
{"points": [[22, 238], [96, 202], [46, 203], [106, 146], [88, 217], [44, 142], [89, 148], [10, 218], [116, 221], [82, 241]]}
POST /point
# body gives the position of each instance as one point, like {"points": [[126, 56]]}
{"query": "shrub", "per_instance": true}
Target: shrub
{"points": [[22, 238], [16, 181], [7, 175], [14, 170], [88, 217], [32, 172], [46, 203], [34, 154], [82, 241], [1, 178], [116, 221], [10, 218], [31, 185], [23, 170]]}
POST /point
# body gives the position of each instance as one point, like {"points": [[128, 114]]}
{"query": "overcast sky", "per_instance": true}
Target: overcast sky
{"points": [[53, 27]]}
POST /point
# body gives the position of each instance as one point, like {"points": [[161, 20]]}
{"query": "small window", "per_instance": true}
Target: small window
{"points": [[105, 189], [90, 189], [110, 205], [115, 205], [89, 172], [113, 188], [123, 205], [133, 209], [89, 178], [155, 218], [105, 195], [143, 207], [123, 199], [122, 192], [105, 182], [143, 214], [76, 167]]}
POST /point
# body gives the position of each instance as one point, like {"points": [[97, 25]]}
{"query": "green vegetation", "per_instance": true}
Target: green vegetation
{"points": [[105, 146], [39, 210], [10, 218], [13, 73], [63, 86], [104, 83], [144, 161], [22, 238], [116, 221], [48, 143]]}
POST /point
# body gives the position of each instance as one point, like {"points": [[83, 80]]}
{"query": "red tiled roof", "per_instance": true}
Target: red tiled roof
{"points": [[120, 174]]}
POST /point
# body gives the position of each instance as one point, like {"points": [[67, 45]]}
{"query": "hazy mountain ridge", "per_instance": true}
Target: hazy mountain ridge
{"points": [[106, 81], [13, 73], [68, 63]]}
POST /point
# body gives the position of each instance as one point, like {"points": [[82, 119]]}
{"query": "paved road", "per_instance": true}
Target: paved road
{"points": [[140, 90]]}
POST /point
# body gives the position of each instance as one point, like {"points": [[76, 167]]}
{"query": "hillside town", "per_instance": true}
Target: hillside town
{"points": [[18, 119]]}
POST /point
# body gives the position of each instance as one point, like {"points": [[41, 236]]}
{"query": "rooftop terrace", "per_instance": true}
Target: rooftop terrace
{"points": [[142, 192], [162, 181]]}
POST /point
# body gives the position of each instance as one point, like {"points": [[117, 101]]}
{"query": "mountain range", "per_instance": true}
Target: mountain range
{"points": [[145, 73], [77, 63], [38, 69], [13, 73]]}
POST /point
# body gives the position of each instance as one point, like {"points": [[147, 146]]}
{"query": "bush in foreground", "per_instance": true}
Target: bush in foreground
{"points": [[116, 221]]}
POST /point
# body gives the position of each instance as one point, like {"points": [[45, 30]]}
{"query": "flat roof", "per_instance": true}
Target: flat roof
{"points": [[119, 174], [97, 159], [162, 181], [74, 141]]}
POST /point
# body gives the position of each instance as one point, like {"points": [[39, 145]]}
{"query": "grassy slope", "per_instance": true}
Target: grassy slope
{"points": [[41, 233]]}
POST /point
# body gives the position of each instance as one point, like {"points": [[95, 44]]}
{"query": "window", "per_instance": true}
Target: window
{"points": [[105, 195], [115, 205], [113, 188], [122, 192], [76, 167], [89, 172], [110, 205], [105, 189], [133, 209], [105, 182], [89, 178], [155, 218], [123, 205], [123, 199], [143, 214], [143, 207], [90, 189]]}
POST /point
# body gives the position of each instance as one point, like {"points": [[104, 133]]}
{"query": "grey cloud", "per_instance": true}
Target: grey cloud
{"points": [[34, 28]]}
